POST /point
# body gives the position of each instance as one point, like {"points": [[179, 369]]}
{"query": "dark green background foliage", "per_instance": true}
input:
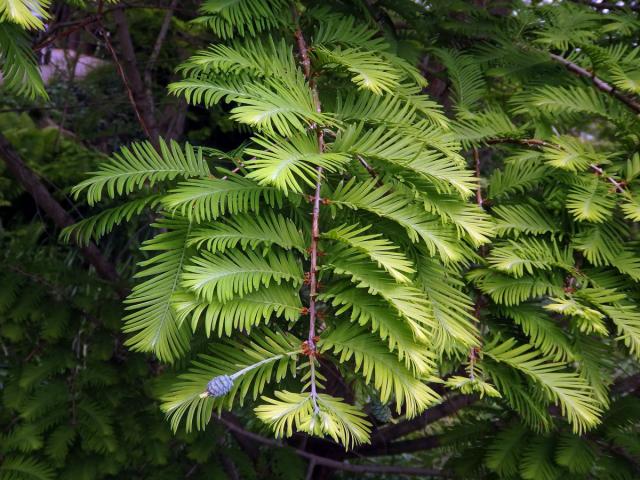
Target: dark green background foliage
{"points": [[488, 329]]}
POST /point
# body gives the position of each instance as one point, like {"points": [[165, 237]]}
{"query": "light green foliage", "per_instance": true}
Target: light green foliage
{"points": [[134, 167], [275, 352], [233, 247], [152, 318], [566, 388], [558, 156], [535, 324], [26, 13], [374, 362], [17, 62], [331, 416], [379, 249]]}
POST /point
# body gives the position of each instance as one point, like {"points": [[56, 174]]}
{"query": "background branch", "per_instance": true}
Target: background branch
{"points": [[600, 84], [128, 69], [44, 200], [344, 466], [386, 434]]}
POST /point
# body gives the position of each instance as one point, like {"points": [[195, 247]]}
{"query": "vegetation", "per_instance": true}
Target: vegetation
{"points": [[385, 238]]}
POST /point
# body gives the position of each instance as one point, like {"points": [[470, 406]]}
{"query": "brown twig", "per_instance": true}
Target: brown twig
{"points": [[600, 84], [235, 170], [79, 25], [335, 464], [476, 160], [386, 434], [38, 279], [315, 215], [32, 184], [620, 187], [120, 69], [130, 74], [371, 171], [157, 46]]}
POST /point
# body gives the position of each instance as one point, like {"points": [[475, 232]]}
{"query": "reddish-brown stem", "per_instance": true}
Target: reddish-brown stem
{"points": [[79, 25], [476, 160], [597, 82], [315, 214], [127, 67], [619, 186], [132, 99], [534, 142], [335, 464], [235, 170]]}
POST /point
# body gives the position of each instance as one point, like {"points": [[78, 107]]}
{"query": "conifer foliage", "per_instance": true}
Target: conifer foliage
{"points": [[366, 255], [544, 102], [335, 240]]}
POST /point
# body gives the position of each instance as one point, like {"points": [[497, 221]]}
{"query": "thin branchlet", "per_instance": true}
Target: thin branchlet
{"points": [[620, 187], [315, 214]]}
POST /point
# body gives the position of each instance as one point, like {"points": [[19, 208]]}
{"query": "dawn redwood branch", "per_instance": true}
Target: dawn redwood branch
{"points": [[476, 161], [335, 464], [396, 448], [45, 201], [249, 447], [56, 32], [387, 434], [315, 215], [600, 84], [625, 385], [533, 142]]}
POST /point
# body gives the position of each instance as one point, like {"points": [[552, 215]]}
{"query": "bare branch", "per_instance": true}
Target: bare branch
{"points": [[620, 187], [157, 46], [33, 185], [128, 70], [386, 434], [335, 464], [600, 84], [75, 26], [396, 448]]}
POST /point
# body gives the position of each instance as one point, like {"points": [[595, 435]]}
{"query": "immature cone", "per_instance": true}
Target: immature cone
{"points": [[380, 411], [219, 386]]}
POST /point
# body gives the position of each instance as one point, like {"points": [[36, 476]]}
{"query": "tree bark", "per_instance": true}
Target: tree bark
{"points": [[597, 82], [45, 201], [395, 448], [141, 97], [387, 434]]}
